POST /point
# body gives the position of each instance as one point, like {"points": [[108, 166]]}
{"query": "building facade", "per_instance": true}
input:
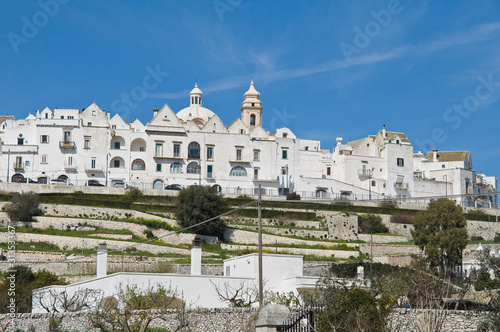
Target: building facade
{"points": [[193, 146]]}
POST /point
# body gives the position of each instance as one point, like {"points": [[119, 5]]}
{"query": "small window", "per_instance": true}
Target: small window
{"points": [[158, 167], [93, 163], [256, 155], [238, 171], [328, 171], [307, 148], [27, 163], [67, 136], [374, 183], [62, 117], [71, 117], [70, 161], [19, 162], [196, 100], [252, 119], [238, 154], [117, 145], [210, 153], [443, 166], [285, 135], [255, 173], [397, 141], [209, 171], [116, 163], [321, 193], [44, 159], [400, 162], [113, 127], [44, 139], [142, 148], [20, 141], [138, 165], [177, 150], [242, 131], [284, 154], [89, 124], [176, 168], [159, 150], [86, 144]]}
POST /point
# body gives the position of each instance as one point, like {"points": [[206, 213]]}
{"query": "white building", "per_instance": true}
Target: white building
{"points": [[193, 146]]}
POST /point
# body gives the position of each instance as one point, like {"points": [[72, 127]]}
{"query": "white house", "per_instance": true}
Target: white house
{"points": [[193, 146]]}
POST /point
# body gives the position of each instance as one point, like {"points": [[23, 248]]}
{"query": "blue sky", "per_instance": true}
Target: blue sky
{"points": [[430, 69]]}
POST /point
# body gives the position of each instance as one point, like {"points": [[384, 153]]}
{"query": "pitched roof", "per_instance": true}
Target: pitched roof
{"points": [[450, 155], [391, 135]]}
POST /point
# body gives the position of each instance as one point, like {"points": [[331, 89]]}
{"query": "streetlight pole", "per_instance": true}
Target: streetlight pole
{"points": [[199, 171], [259, 216]]}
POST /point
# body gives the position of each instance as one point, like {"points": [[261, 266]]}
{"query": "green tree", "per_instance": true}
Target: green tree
{"points": [[23, 207], [371, 223], [25, 281], [441, 233], [199, 203]]}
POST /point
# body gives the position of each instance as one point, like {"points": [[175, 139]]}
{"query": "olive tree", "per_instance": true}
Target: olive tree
{"points": [[199, 203]]}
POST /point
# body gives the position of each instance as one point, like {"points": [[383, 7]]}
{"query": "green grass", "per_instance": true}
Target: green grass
{"points": [[407, 243], [285, 226]]}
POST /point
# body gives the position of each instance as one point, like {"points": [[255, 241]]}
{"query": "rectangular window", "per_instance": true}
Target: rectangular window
{"points": [[67, 136], [19, 162], [70, 161], [255, 173], [89, 124], [20, 141], [113, 127], [27, 163], [44, 139], [401, 162], [210, 153], [71, 117], [284, 154], [142, 149], [159, 150], [328, 171], [177, 150], [209, 171], [117, 145], [158, 167], [44, 159], [256, 155], [62, 117], [238, 154], [374, 183], [86, 144], [117, 163], [93, 163]]}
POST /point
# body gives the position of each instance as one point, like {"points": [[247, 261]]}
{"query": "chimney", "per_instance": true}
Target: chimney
{"points": [[360, 272], [102, 260], [434, 154], [155, 111], [196, 257], [384, 133]]}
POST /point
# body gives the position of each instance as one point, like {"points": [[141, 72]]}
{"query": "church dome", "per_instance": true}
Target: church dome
{"points": [[195, 112]]}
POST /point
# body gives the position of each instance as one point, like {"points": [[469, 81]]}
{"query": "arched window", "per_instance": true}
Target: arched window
{"points": [[238, 171], [252, 120], [176, 168], [138, 165], [158, 184], [194, 150], [193, 168], [321, 193]]}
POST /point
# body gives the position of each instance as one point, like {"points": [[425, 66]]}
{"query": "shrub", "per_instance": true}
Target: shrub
{"points": [[149, 234], [497, 237], [371, 223], [476, 238], [293, 197], [23, 207], [400, 218], [388, 204], [132, 194]]}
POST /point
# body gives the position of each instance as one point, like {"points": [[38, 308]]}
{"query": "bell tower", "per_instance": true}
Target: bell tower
{"points": [[251, 108]]}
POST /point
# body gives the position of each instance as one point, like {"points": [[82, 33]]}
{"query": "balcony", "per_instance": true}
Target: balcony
{"points": [[66, 145], [94, 168], [365, 173], [19, 149], [69, 167], [401, 186], [18, 166]]}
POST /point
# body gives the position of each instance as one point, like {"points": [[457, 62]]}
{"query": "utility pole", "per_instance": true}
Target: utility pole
{"points": [[369, 184], [259, 216], [199, 171]]}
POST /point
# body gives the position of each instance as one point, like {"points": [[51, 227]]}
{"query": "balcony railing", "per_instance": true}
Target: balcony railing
{"points": [[66, 145], [401, 186], [97, 168], [69, 167], [18, 166], [19, 148], [365, 173]]}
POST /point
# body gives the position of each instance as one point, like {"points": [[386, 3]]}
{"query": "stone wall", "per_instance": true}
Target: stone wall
{"points": [[202, 320], [342, 226], [233, 319], [299, 251], [382, 238]]}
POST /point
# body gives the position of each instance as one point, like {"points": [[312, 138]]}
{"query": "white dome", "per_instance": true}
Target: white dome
{"points": [[200, 115]]}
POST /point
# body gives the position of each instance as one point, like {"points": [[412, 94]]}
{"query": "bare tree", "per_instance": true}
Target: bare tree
{"points": [[54, 301], [136, 308], [238, 295]]}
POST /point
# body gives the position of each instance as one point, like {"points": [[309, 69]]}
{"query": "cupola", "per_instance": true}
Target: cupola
{"points": [[251, 108]]}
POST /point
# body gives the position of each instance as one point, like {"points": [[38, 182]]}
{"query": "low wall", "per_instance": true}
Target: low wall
{"points": [[299, 251], [232, 319]]}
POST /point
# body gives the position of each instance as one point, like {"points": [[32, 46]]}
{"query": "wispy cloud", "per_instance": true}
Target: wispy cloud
{"points": [[476, 35]]}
